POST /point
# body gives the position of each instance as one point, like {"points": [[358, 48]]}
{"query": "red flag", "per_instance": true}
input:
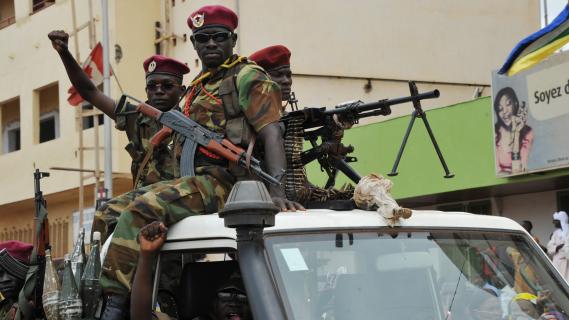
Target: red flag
{"points": [[93, 67]]}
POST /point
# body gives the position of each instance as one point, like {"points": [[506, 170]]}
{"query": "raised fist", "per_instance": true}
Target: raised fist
{"points": [[152, 237], [59, 40]]}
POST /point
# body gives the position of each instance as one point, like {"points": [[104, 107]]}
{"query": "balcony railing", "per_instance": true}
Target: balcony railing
{"points": [[40, 5], [7, 21]]}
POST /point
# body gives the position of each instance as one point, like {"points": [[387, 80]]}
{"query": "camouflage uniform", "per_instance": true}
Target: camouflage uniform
{"points": [[171, 201], [161, 166]]}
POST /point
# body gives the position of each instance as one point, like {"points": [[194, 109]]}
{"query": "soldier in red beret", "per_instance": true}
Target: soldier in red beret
{"points": [[163, 89], [164, 78], [276, 61], [231, 96], [14, 260]]}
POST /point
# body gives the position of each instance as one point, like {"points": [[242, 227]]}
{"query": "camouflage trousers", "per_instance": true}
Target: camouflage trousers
{"points": [[106, 216], [168, 202]]}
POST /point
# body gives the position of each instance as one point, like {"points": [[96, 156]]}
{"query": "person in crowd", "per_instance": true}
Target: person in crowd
{"points": [[513, 138], [14, 260], [557, 242], [528, 226]]}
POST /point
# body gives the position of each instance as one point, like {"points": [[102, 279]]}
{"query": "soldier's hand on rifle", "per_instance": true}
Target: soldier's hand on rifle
{"points": [[151, 238], [286, 205], [59, 40]]}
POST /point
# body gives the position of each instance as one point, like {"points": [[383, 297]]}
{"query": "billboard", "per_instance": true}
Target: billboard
{"points": [[530, 114]]}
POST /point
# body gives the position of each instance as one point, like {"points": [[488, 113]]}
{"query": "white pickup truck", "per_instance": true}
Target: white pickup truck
{"points": [[323, 264]]}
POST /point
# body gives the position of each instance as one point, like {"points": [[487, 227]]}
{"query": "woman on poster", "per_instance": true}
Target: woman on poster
{"points": [[513, 137]]}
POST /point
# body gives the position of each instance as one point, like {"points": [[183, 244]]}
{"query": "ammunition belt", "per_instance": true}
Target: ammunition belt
{"points": [[295, 177], [297, 186]]}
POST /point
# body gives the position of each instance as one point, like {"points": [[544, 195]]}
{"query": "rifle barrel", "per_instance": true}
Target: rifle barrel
{"points": [[385, 103]]}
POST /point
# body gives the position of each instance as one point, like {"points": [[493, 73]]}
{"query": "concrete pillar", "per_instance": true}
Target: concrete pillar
{"points": [[23, 8]]}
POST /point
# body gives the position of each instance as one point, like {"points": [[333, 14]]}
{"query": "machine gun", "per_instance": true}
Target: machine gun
{"points": [[195, 135], [329, 126], [33, 286]]}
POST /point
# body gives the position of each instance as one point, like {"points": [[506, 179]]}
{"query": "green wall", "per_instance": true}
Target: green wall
{"points": [[465, 135]]}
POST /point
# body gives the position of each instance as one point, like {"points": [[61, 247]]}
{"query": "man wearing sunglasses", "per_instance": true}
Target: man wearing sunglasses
{"points": [[163, 90], [229, 96]]}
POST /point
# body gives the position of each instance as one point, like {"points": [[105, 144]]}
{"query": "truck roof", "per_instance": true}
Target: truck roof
{"points": [[207, 227]]}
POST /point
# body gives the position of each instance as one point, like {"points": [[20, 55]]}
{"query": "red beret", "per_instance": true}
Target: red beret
{"points": [[20, 251], [161, 64], [212, 16], [272, 57]]}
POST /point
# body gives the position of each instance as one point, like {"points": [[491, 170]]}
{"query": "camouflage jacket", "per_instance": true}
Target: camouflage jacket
{"points": [[162, 165], [259, 98]]}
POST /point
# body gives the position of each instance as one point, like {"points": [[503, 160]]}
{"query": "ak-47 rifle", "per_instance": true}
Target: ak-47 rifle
{"points": [[33, 287], [195, 135], [329, 126]]}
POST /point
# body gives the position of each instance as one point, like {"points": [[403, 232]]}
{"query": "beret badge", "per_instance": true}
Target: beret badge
{"points": [[152, 66], [198, 20]]}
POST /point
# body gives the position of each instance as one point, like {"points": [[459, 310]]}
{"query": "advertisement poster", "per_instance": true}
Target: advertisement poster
{"points": [[530, 113]]}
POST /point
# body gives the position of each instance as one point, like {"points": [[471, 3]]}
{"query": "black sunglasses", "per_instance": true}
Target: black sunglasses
{"points": [[217, 37]]}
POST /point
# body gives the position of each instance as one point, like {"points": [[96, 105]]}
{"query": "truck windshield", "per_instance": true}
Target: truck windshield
{"points": [[415, 275]]}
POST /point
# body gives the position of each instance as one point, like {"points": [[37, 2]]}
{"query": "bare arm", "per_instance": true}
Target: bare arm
{"points": [[77, 76], [275, 160], [151, 238]]}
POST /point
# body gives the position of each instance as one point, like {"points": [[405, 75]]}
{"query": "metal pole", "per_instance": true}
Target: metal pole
{"points": [[79, 119], [545, 12], [107, 92]]}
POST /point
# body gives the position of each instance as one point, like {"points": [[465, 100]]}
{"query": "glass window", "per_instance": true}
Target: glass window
{"points": [[7, 13], [48, 110], [89, 121], [12, 137], [49, 126], [10, 121], [41, 4], [414, 275]]}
